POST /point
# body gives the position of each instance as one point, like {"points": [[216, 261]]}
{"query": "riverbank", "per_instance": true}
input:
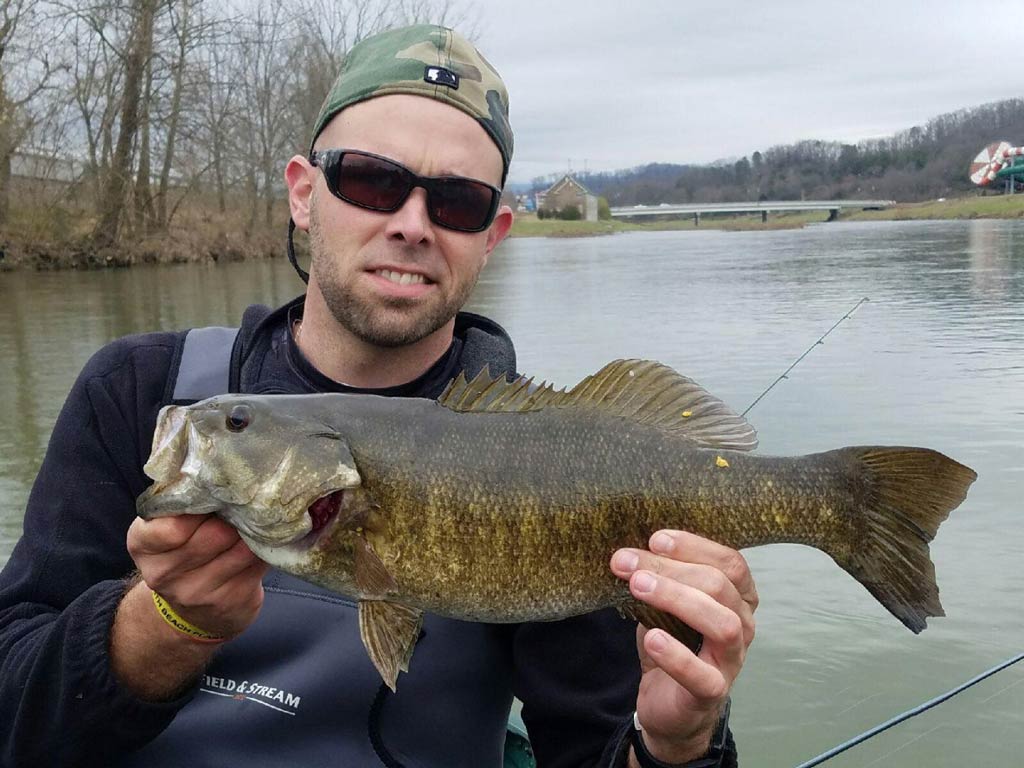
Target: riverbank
{"points": [[48, 244], [56, 238], [528, 225], [173, 247], [968, 207]]}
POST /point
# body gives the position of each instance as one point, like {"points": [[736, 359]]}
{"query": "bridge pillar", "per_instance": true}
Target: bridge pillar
{"points": [[696, 219], [833, 214], [764, 217]]}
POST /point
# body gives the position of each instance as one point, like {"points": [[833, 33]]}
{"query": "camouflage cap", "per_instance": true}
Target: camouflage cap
{"points": [[424, 60]]}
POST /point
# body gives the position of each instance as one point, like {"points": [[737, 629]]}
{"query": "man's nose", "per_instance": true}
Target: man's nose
{"points": [[411, 223]]}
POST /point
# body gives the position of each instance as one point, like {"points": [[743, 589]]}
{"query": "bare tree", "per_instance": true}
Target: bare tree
{"points": [[216, 106], [327, 30], [95, 35], [145, 215], [113, 196], [16, 93], [168, 93], [266, 83], [185, 35]]}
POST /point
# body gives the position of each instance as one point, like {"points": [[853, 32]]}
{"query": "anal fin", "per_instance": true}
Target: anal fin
{"points": [[389, 632], [652, 618]]}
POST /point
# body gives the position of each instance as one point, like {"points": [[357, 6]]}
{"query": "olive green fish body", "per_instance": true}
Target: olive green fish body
{"points": [[514, 517], [504, 501]]}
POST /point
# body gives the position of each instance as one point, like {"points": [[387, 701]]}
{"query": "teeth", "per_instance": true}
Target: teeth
{"points": [[401, 278]]}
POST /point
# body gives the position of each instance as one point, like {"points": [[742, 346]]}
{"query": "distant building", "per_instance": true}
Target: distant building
{"points": [[568, 191], [518, 202], [45, 165]]}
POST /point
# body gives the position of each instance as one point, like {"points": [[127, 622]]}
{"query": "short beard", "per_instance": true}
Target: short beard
{"points": [[397, 325]]}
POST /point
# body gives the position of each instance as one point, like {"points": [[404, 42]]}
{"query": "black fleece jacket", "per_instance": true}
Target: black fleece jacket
{"points": [[60, 704]]}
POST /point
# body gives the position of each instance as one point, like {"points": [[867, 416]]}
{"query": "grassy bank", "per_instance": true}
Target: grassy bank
{"points": [[50, 228], [969, 207], [42, 234], [528, 225]]}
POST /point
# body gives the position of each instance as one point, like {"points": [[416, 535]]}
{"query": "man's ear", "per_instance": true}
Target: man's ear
{"points": [[499, 229], [299, 175]]}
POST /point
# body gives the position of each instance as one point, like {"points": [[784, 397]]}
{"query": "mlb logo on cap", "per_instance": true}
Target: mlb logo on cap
{"points": [[441, 76]]}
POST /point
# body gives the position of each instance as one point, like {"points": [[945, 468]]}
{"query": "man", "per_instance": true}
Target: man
{"points": [[240, 665]]}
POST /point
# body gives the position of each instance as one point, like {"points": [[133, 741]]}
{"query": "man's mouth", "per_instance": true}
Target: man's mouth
{"points": [[401, 278]]}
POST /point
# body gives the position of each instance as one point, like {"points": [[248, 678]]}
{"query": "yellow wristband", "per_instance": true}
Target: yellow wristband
{"points": [[180, 624]]}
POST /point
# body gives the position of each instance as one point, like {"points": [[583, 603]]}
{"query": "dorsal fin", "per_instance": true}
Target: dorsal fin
{"points": [[498, 395], [641, 390]]}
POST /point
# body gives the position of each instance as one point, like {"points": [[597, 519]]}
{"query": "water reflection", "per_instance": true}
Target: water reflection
{"points": [[993, 248], [934, 359]]}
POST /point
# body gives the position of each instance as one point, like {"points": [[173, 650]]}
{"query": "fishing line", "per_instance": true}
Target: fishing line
{"points": [[924, 707], [805, 354], [909, 713]]}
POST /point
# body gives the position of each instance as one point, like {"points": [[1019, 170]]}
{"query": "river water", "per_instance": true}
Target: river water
{"points": [[935, 358]]}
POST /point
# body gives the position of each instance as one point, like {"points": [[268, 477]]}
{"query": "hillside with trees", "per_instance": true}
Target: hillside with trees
{"points": [[136, 130], [921, 163], [125, 121]]}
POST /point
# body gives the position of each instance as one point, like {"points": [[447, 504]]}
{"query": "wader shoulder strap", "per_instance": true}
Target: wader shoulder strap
{"points": [[205, 366]]}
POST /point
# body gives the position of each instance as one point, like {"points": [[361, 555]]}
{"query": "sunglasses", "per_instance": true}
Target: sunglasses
{"points": [[379, 184]]}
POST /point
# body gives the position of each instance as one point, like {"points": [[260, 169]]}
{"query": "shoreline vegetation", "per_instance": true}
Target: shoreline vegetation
{"points": [[31, 244]]}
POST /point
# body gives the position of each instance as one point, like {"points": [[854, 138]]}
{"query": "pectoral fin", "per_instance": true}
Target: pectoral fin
{"points": [[653, 618], [372, 577], [389, 632]]}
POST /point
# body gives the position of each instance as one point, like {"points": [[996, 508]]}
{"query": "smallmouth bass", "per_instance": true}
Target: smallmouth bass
{"points": [[504, 501]]}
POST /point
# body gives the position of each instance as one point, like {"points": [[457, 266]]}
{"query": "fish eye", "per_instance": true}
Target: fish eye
{"points": [[239, 418]]}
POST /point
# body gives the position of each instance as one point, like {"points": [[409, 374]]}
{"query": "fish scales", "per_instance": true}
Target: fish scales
{"points": [[502, 538], [504, 501]]}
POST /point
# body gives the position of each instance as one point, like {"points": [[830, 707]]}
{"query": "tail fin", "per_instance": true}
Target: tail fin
{"points": [[911, 491]]}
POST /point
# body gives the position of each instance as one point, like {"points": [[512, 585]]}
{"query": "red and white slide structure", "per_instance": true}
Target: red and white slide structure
{"points": [[991, 160]]}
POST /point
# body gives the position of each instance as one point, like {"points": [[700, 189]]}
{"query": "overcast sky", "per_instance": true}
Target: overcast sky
{"points": [[608, 85]]}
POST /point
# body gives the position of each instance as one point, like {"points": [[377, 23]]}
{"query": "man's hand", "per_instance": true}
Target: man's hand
{"points": [[199, 565], [709, 587], [207, 574]]}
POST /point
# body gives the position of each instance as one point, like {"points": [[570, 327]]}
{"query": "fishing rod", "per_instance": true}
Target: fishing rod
{"points": [[924, 707], [796, 362], [909, 713]]}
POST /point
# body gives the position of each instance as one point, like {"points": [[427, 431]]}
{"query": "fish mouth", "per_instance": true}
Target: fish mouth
{"points": [[322, 513]]}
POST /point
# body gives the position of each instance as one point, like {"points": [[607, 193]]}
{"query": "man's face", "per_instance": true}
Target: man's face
{"points": [[392, 279]]}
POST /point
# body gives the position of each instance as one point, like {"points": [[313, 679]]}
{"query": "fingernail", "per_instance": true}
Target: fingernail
{"points": [[627, 561], [662, 543], [644, 582], [656, 641]]}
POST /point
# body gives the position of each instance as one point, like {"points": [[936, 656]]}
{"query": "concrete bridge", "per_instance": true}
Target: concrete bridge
{"points": [[764, 207]]}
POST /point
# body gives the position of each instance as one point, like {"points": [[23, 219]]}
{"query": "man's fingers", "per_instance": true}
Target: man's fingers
{"points": [[154, 537], [718, 623], [200, 585], [202, 568], [690, 548], [703, 681], [704, 578], [708, 676], [671, 548], [224, 596], [180, 543]]}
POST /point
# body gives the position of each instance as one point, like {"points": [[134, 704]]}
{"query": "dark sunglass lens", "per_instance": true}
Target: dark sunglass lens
{"points": [[372, 182], [461, 203]]}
